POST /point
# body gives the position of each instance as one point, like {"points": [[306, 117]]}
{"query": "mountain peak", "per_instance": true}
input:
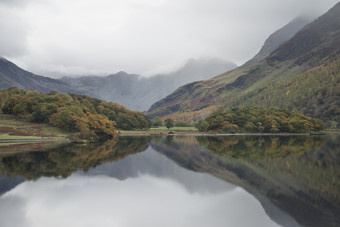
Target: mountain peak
{"points": [[314, 42], [282, 35]]}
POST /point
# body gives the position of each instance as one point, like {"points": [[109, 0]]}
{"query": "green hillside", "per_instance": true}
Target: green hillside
{"points": [[303, 73]]}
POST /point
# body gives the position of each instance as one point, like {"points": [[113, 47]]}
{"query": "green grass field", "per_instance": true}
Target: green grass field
{"points": [[6, 136], [56, 131], [13, 128], [160, 130], [175, 128]]}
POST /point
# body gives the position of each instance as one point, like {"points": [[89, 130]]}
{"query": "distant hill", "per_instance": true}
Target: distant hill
{"points": [[130, 90], [13, 76], [302, 73], [137, 92]]}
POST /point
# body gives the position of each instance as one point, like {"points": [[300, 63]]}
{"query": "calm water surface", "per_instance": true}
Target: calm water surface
{"points": [[173, 181]]}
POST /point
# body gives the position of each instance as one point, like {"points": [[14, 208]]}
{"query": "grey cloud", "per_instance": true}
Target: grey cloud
{"points": [[144, 36], [13, 3], [13, 39]]}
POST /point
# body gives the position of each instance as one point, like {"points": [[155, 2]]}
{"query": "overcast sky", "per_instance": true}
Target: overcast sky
{"points": [[82, 37]]}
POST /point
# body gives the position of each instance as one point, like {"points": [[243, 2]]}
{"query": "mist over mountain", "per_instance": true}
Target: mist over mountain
{"points": [[137, 92], [271, 44], [302, 73], [280, 36], [13, 76], [133, 91]]}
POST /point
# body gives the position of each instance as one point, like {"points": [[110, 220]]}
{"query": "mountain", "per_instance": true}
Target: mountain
{"points": [[302, 73], [280, 36], [137, 92], [13, 76], [130, 90]]}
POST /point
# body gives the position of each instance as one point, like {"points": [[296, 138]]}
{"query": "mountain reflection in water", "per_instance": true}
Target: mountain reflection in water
{"points": [[226, 181]]}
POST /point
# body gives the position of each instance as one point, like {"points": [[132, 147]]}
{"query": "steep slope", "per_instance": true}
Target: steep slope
{"points": [[272, 43], [280, 36], [315, 46], [13, 76], [137, 92]]}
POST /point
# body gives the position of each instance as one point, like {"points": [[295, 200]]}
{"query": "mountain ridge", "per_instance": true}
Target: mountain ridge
{"points": [[131, 90], [280, 36], [13, 76], [316, 44], [138, 93]]}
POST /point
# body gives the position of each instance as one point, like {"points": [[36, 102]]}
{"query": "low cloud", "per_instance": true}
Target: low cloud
{"points": [[13, 39], [139, 36]]}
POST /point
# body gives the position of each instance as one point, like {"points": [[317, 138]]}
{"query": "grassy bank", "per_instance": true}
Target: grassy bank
{"points": [[194, 131], [160, 130], [13, 128]]}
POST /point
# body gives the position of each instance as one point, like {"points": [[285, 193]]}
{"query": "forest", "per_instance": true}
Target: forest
{"points": [[315, 93], [258, 119], [89, 118]]}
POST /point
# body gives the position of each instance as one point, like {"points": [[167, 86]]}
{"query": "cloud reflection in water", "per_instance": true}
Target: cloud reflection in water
{"points": [[146, 189], [143, 201]]}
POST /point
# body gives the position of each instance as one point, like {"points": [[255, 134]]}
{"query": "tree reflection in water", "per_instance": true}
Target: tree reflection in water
{"points": [[65, 159], [300, 174]]}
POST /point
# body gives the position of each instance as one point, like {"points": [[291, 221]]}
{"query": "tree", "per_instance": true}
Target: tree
{"points": [[66, 119], [169, 123], [202, 126], [181, 124], [250, 127], [228, 127], [260, 126], [333, 124], [157, 121]]}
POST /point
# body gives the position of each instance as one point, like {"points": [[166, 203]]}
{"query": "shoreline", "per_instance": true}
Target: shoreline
{"points": [[31, 140], [140, 133], [225, 134]]}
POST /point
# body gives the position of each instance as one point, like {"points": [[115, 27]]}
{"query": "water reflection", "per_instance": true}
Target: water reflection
{"points": [[63, 160], [159, 194], [257, 147], [301, 175], [175, 181]]}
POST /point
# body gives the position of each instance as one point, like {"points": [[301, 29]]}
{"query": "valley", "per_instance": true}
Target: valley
{"points": [[170, 113]]}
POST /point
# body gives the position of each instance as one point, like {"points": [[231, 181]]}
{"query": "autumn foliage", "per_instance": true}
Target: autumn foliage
{"points": [[257, 119], [91, 118]]}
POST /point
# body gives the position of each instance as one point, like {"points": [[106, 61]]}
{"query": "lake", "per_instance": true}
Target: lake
{"points": [[173, 181]]}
